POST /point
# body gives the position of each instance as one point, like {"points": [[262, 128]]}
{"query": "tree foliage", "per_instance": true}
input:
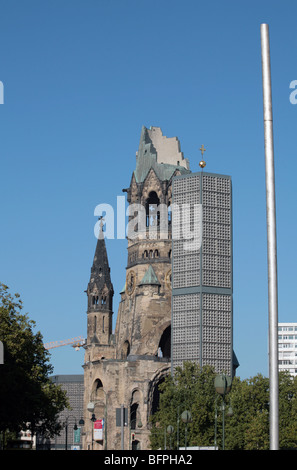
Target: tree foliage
{"points": [[27, 395], [246, 428]]}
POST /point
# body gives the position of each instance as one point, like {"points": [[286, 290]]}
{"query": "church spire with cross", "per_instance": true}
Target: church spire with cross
{"points": [[100, 293]]}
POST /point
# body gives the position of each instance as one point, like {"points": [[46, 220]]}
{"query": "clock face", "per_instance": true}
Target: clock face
{"points": [[168, 278], [131, 281]]}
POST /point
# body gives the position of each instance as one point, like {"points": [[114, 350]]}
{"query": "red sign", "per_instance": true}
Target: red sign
{"points": [[98, 429]]}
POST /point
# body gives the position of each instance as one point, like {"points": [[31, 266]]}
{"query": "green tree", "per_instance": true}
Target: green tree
{"points": [[250, 402], [247, 428], [257, 431], [287, 411], [27, 395], [191, 389]]}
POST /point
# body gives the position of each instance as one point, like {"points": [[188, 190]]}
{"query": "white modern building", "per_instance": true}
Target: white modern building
{"points": [[287, 347]]}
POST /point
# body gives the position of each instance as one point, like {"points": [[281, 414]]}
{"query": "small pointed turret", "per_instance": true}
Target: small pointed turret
{"points": [[100, 272], [100, 294]]}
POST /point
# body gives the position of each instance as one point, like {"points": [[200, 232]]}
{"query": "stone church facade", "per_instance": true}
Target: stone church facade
{"points": [[122, 371]]}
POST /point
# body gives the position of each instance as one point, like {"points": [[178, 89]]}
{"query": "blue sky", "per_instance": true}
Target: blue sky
{"points": [[80, 79]]}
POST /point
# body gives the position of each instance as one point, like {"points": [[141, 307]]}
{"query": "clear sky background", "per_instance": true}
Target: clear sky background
{"points": [[80, 79]]}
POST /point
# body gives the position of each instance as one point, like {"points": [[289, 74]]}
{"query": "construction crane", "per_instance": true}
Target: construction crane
{"points": [[76, 343]]}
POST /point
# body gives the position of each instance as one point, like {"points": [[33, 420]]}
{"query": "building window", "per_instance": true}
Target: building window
{"points": [[152, 214], [133, 415], [169, 214], [125, 350], [164, 348]]}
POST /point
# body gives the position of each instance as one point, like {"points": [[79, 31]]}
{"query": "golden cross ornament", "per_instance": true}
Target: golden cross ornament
{"points": [[202, 164], [202, 149]]}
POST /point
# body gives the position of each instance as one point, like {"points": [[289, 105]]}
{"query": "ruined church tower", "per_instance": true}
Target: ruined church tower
{"points": [[123, 370]]}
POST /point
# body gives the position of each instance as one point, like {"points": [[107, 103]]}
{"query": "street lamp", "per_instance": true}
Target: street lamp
{"points": [[230, 411], [187, 418], [170, 430], [222, 385], [91, 408], [66, 429]]}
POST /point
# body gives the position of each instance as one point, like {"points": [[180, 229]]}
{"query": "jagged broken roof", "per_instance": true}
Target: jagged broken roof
{"points": [[160, 153]]}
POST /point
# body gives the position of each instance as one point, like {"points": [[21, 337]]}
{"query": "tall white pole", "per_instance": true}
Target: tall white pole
{"points": [[271, 241]]}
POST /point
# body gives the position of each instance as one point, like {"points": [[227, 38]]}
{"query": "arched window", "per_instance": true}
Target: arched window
{"points": [[135, 419], [95, 299], [152, 215], [98, 397], [98, 392], [125, 350], [98, 384], [169, 214], [156, 395], [133, 415], [164, 348]]}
